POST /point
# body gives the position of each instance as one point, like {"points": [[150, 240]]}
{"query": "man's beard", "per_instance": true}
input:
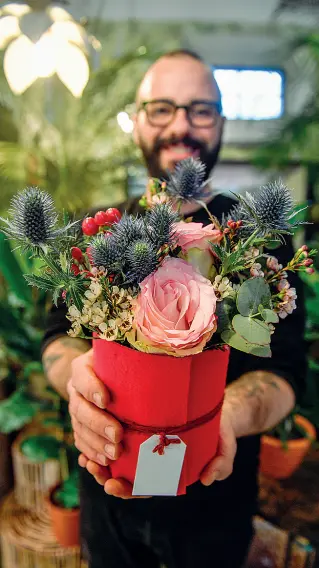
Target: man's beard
{"points": [[208, 157]]}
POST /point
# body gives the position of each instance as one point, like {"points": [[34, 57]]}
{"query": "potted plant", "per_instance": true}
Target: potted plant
{"points": [[63, 499], [284, 447]]}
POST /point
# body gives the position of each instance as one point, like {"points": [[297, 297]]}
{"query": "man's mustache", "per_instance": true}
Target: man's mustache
{"points": [[186, 141]]}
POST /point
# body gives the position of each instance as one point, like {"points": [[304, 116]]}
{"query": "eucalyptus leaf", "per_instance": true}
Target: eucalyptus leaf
{"points": [[41, 448], [251, 330], [251, 294], [237, 342], [224, 312], [269, 316]]}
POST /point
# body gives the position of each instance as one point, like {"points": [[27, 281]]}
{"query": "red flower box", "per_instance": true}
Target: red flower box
{"points": [[159, 391]]}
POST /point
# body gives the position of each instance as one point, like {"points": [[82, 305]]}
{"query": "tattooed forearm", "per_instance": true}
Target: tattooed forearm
{"points": [[49, 360], [57, 360], [257, 401]]}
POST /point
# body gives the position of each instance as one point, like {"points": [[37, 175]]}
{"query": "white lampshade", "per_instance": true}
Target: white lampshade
{"points": [[16, 9], [18, 64], [9, 29], [45, 55], [73, 69], [69, 31]]}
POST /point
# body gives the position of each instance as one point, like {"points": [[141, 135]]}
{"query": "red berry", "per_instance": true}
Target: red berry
{"points": [[310, 270], [76, 253], [75, 269], [304, 248], [233, 225], [112, 215], [100, 218], [229, 223], [89, 226], [239, 223], [64, 293]]}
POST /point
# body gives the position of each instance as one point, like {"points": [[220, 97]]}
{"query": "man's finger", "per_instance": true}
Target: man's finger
{"points": [[96, 442], [121, 488], [97, 420], [88, 452], [85, 381], [99, 472]]}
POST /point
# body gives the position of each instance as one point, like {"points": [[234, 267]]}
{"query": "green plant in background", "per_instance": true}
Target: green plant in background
{"points": [[289, 429], [74, 148]]}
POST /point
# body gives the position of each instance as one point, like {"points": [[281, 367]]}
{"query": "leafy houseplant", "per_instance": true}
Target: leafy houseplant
{"points": [[285, 446]]}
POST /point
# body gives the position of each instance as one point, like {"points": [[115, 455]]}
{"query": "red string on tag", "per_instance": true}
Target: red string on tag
{"points": [[164, 442], [164, 431]]}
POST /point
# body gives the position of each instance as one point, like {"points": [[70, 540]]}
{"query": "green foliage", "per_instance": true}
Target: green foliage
{"points": [[67, 494], [251, 330], [17, 410], [41, 448], [237, 342], [251, 294]]}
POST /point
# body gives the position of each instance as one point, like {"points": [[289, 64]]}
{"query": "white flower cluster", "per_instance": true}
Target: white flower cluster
{"points": [[109, 313], [288, 299], [223, 288]]}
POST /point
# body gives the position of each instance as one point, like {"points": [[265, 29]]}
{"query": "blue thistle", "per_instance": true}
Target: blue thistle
{"points": [[33, 219], [105, 252], [140, 261], [128, 229], [160, 224], [187, 182], [269, 212]]}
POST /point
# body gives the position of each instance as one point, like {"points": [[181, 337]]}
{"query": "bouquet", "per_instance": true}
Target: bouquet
{"points": [[165, 298]]}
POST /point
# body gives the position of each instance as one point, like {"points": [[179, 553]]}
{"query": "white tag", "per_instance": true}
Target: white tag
{"points": [[159, 474]]}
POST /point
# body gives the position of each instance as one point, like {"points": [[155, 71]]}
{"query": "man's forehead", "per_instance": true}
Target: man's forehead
{"points": [[180, 79]]}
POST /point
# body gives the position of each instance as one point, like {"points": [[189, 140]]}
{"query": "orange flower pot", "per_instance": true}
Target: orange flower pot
{"points": [[65, 522], [280, 463]]}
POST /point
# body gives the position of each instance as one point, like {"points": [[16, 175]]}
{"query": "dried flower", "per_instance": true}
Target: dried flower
{"points": [[223, 287]]}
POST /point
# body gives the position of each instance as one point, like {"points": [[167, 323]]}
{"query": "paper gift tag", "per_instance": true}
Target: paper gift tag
{"points": [[159, 474]]}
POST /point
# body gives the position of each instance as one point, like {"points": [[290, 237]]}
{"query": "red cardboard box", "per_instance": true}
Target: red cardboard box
{"points": [[159, 391]]}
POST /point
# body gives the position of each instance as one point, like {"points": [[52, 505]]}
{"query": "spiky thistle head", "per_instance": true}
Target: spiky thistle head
{"points": [[33, 219], [269, 212], [160, 221], [105, 252], [140, 261], [127, 230], [187, 182]]}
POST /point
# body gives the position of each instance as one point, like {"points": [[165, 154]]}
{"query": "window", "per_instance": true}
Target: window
{"points": [[251, 94]]}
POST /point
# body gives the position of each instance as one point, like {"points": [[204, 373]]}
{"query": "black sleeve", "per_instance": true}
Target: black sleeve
{"points": [[288, 346]]}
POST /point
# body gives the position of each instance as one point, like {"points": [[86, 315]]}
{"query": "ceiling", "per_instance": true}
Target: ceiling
{"points": [[258, 12]]}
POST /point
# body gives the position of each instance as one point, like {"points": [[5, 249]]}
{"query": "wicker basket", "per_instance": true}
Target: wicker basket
{"points": [[32, 480], [27, 540]]}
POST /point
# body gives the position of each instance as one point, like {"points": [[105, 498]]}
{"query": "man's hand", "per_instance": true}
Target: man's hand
{"points": [[220, 467], [97, 434]]}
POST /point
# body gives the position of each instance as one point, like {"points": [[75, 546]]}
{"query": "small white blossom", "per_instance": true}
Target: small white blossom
{"points": [[255, 270]]}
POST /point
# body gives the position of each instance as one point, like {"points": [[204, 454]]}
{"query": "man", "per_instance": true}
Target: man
{"points": [[178, 115]]}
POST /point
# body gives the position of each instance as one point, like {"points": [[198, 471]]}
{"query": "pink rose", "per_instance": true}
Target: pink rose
{"points": [[175, 311], [194, 240], [195, 235]]}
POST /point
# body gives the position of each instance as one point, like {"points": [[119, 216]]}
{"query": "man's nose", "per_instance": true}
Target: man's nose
{"points": [[179, 126]]}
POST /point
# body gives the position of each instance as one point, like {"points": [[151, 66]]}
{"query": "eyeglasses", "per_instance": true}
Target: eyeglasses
{"points": [[200, 114]]}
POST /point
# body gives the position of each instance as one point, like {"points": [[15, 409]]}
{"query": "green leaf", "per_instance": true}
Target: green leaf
{"points": [[67, 495], [12, 272], [17, 410], [269, 316], [224, 312], [234, 340], [251, 330], [41, 448], [251, 294]]}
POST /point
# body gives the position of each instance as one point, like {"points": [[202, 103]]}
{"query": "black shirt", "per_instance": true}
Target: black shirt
{"points": [[228, 502]]}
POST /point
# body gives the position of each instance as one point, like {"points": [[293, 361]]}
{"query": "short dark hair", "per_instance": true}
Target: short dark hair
{"points": [[186, 52]]}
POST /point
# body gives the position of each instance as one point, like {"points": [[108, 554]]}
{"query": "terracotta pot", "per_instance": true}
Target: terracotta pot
{"points": [[280, 463], [65, 522]]}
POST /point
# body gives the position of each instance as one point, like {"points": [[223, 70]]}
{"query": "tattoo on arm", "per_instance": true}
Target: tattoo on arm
{"points": [[49, 360]]}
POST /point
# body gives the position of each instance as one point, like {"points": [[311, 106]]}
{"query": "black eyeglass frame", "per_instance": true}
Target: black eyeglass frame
{"points": [[217, 105]]}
